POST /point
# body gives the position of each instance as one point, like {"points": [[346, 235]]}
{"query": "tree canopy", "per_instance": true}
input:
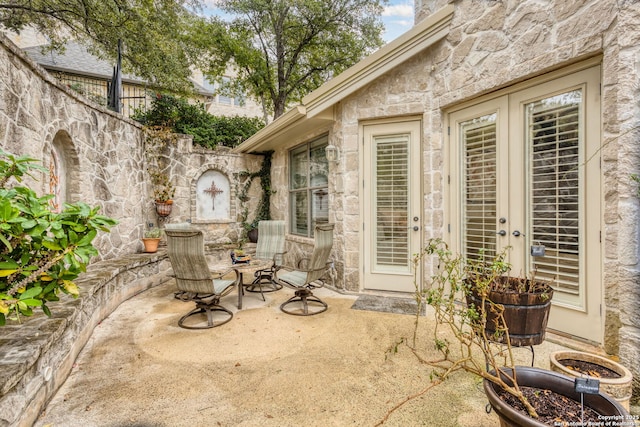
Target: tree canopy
{"points": [[153, 32], [284, 49]]}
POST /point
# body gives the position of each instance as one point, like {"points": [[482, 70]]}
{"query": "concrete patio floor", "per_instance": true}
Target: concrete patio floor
{"points": [[264, 368]]}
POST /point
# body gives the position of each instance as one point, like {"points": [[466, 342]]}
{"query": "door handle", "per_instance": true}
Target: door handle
{"points": [[517, 233], [502, 233], [416, 228]]}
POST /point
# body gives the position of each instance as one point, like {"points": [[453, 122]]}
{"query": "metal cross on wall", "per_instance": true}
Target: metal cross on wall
{"points": [[213, 191]]}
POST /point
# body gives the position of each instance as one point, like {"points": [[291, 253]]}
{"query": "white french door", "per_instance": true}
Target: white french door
{"points": [[392, 193], [526, 175]]}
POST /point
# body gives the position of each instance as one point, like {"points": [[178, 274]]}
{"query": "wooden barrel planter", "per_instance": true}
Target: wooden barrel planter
{"points": [[525, 314], [615, 379]]}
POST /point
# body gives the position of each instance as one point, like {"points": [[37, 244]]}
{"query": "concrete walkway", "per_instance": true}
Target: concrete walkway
{"points": [[264, 368]]}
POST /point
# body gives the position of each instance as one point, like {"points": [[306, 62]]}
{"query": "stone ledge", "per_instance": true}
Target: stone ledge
{"points": [[37, 356]]}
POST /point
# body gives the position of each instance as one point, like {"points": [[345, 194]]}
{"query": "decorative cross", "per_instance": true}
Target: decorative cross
{"points": [[213, 191]]}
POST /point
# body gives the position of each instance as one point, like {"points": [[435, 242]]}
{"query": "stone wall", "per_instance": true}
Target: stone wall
{"points": [[187, 163], [104, 151], [105, 156], [493, 45]]}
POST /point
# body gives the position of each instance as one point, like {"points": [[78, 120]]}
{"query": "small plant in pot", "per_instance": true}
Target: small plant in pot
{"points": [[481, 340], [151, 239]]}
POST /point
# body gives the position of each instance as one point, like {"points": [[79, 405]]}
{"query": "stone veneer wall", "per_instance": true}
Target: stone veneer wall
{"points": [[104, 151], [491, 45], [186, 164]]}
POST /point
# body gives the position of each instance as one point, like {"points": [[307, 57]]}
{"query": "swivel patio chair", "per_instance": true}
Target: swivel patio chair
{"points": [[194, 280], [270, 247], [308, 275]]}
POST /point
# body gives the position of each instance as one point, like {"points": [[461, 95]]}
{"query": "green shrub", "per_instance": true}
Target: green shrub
{"points": [[207, 130], [41, 252]]}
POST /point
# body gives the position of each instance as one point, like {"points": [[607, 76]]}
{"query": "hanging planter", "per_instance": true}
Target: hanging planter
{"points": [[163, 209]]}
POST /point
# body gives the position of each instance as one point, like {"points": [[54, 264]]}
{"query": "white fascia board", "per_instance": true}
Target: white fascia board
{"points": [[421, 36]]}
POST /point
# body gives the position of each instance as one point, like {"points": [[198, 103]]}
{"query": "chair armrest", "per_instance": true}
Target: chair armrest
{"points": [[217, 274], [304, 270], [278, 258]]}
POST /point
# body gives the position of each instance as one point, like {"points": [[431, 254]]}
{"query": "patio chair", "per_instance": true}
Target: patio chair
{"points": [[308, 275], [194, 280], [271, 247]]}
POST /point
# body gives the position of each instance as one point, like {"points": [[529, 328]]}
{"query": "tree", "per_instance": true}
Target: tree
{"points": [[284, 49], [152, 32]]}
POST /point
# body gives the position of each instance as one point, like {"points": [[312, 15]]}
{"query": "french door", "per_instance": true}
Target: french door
{"points": [[392, 193], [526, 176]]}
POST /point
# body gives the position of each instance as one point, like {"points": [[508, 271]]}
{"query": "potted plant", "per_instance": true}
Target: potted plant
{"points": [[615, 379], [151, 239], [157, 143], [163, 192], [239, 255], [480, 327], [251, 230], [524, 303]]}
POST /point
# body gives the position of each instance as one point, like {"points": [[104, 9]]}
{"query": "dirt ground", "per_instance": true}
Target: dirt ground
{"points": [[264, 368]]}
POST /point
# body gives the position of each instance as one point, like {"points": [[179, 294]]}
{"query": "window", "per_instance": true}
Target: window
{"points": [[223, 98], [209, 84], [308, 185]]}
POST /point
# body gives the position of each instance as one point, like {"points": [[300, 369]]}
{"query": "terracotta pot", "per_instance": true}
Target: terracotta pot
{"points": [[548, 380], [525, 314], [151, 244], [618, 388]]}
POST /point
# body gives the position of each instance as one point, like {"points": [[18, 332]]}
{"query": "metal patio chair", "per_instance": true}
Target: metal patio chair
{"points": [[270, 247], [195, 281], [308, 275]]}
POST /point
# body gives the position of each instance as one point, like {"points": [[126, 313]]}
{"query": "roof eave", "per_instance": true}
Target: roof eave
{"points": [[266, 137]]}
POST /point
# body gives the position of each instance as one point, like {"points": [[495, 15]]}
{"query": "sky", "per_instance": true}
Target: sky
{"points": [[397, 17]]}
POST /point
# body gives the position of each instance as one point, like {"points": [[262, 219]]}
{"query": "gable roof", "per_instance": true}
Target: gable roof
{"points": [[316, 107]]}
